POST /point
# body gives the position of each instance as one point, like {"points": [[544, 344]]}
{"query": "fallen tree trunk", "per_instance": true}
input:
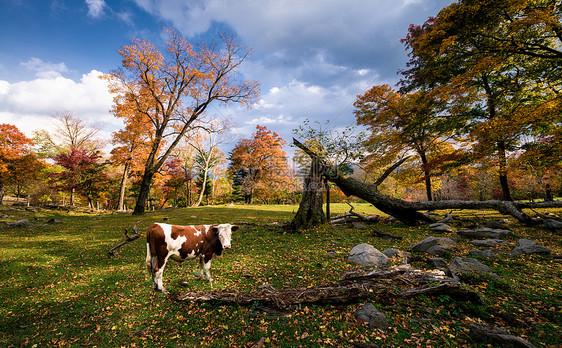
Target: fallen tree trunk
{"points": [[409, 212], [380, 286]]}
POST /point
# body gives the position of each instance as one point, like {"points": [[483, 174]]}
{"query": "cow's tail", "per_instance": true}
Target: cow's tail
{"points": [[148, 254]]}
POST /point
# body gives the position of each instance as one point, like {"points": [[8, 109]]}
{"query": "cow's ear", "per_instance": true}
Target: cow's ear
{"points": [[234, 228]]}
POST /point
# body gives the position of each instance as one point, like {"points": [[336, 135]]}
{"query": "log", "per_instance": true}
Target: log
{"points": [[381, 286]]}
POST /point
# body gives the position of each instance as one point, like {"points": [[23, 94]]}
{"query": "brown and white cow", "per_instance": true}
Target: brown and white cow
{"points": [[164, 241]]}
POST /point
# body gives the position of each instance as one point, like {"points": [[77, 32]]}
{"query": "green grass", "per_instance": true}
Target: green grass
{"points": [[59, 288]]}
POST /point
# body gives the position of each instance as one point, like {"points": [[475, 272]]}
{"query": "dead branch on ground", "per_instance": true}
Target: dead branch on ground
{"points": [[128, 239]]}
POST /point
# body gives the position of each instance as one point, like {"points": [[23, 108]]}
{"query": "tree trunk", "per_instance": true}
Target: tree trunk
{"points": [[310, 209], [203, 186], [1, 192], [143, 192], [506, 194], [427, 177], [120, 205]]}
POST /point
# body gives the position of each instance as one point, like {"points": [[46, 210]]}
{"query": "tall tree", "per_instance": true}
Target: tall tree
{"points": [[73, 132], [173, 87], [403, 122], [132, 148], [261, 162], [13, 146], [206, 142], [495, 88]]}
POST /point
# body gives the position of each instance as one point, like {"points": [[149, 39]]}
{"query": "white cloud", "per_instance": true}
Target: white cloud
{"points": [[30, 104], [44, 69], [95, 8]]}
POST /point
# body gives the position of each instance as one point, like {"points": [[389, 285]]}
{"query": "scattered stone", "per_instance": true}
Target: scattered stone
{"points": [[496, 225], [552, 225], [438, 262], [468, 266], [497, 336], [528, 246], [331, 253], [438, 246], [483, 254], [366, 255], [487, 242], [20, 223], [390, 253], [370, 314], [441, 228], [53, 221], [485, 233], [359, 225], [403, 267]]}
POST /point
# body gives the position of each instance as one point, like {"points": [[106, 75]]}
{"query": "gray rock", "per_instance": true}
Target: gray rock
{"points": [[487, 242], [359, 225], [485, 233], [528, 246], [486, 333], [553, 225], [441, 228], [395, 253], [438, 246], [438, 262], [467, 266], [20, 223], [366, 255], [370, 314], [331, 253], [483, 254], [496, 225]]}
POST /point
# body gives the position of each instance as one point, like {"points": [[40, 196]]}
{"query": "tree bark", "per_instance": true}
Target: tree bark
{"points": [[143, 193], [427, 177], [310, 211], [121, 205], [506, 194]]}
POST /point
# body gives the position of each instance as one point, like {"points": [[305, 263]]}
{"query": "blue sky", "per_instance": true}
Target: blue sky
{"points": [[312, 57]]}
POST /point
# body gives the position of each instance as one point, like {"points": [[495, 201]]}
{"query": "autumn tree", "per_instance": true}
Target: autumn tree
{"points": [[14, 145], [131, 148], [403, 122], [206, 140], [497, 90], [174, 87], [82, 173], [260, 163], [23, 172]]}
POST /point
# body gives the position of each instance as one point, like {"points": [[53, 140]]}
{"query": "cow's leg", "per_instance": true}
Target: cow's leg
{"points": [[149, 264], [205, 267], [158, 270]]}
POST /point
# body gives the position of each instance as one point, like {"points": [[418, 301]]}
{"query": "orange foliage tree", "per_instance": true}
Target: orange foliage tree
{"points": [[403, 122], [14, 145], [173, 87], [259, 164], [502, 76]]}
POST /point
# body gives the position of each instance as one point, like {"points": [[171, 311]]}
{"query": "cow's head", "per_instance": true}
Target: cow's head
{"points": [[224, 232]]}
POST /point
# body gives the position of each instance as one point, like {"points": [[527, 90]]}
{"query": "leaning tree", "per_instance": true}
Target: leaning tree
{"points": [[411, 213]]}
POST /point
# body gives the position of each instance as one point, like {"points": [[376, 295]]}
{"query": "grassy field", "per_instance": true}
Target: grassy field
{"points": [[58, 287]]}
